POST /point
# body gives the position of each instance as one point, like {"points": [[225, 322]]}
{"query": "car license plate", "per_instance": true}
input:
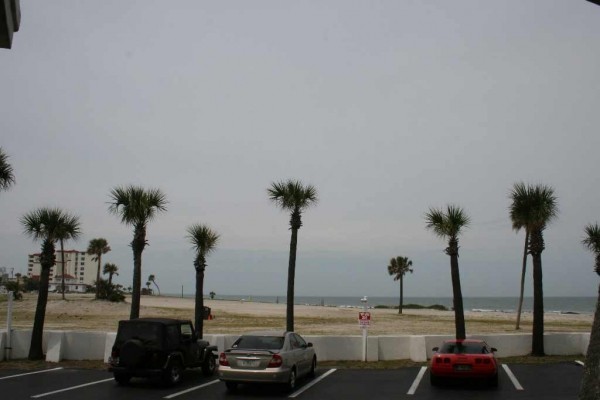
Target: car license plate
{"points": [[249, 363], [462, 367]]}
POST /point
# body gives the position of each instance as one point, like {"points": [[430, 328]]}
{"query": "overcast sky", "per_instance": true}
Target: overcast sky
{"points": [[387, 107]]}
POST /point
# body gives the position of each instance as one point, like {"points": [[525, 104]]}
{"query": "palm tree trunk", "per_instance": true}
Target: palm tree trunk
{"points": [[62, 257], [37, 333], [98, 276], [537, 340], [291, 279], [137, 285], [459, 315], [520, 308], [590, 384], [110, 275], [199, 310], [401, 295], [138, 243], [157, 288]]}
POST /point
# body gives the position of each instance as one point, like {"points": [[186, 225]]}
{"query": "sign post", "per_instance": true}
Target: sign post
{"points": [[364, 320]]}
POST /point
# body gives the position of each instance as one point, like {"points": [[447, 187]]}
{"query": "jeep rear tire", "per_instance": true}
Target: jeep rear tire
{"points": [[122, 379], [173, 374], [209, 365]]}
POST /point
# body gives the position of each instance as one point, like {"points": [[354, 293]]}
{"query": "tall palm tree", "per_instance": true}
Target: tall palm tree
{"points": [[448, 224], [152, 279], [7, 177], [97, 247], [536, 207], [519, 215], [70, 230], [137, 207], [590, 384], [292, 196], [18, 276], [204, 241], [46, 225], [399, 267], [110, 269]]}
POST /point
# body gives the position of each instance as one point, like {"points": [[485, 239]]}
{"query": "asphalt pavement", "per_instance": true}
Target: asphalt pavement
{"points": [[544, 382]]}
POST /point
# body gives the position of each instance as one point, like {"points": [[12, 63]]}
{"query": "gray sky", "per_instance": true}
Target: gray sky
{"points": [[387, 107]]}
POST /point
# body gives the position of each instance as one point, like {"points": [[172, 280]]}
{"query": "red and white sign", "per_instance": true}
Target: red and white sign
{"points": [[364, 319]]}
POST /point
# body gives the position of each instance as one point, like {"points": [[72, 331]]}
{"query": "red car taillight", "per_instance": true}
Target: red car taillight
{"points": [[275, 362], [223, 360]]}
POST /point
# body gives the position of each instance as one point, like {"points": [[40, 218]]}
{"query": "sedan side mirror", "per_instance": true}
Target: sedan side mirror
{"points": [[309, 344]]}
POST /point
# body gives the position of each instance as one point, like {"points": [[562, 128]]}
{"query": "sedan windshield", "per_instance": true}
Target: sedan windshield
{"points": [[259, 342]]}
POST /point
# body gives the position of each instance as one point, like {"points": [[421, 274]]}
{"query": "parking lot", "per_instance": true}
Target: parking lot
{"points": [[549, 381]]}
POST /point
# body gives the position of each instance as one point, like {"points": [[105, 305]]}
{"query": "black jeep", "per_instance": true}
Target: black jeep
{"points": [[159, 347]]}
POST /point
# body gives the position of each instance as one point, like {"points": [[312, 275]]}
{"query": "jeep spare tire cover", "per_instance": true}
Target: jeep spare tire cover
{"points": [[132, 353]]}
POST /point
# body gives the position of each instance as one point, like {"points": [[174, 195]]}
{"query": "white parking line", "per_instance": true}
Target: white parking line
{"points": [[70, 388], [579, 362], [311, 384], [190, 389], [31, 373], [416, 382], [512, 377]]}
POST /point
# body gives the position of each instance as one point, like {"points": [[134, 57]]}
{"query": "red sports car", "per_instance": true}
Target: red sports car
{"points": [[467, 358]]}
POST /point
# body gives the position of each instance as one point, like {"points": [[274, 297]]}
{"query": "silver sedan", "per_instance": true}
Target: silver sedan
{"points": [[270, 357]]}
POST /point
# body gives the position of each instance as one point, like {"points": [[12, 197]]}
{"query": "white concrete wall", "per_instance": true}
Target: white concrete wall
{"points": [[2, 344], [70, 345]]}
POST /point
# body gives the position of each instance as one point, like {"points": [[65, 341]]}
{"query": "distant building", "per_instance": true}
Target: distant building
{"points": [[71, 284], [80, 270]]}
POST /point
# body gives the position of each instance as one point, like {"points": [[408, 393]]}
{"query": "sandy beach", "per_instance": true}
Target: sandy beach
{"points": [[82, 312]]}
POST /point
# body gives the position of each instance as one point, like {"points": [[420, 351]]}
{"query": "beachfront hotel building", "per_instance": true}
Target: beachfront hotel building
{"points": [[80, 270]]}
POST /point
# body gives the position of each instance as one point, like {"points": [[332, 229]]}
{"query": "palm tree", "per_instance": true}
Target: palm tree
{"points": [[590, 384], [292, 196], [448, 225], [46, 225], [519, 215], [110, 269], [7, 177], [204, 241], [148, 286], [18, 276], [70, 230], [535, 207], [152, 279], [97, 247], [399, 267], [137, 207]]}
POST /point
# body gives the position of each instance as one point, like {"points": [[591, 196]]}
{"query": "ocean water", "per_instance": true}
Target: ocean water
{"points": [[501, 304]]}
